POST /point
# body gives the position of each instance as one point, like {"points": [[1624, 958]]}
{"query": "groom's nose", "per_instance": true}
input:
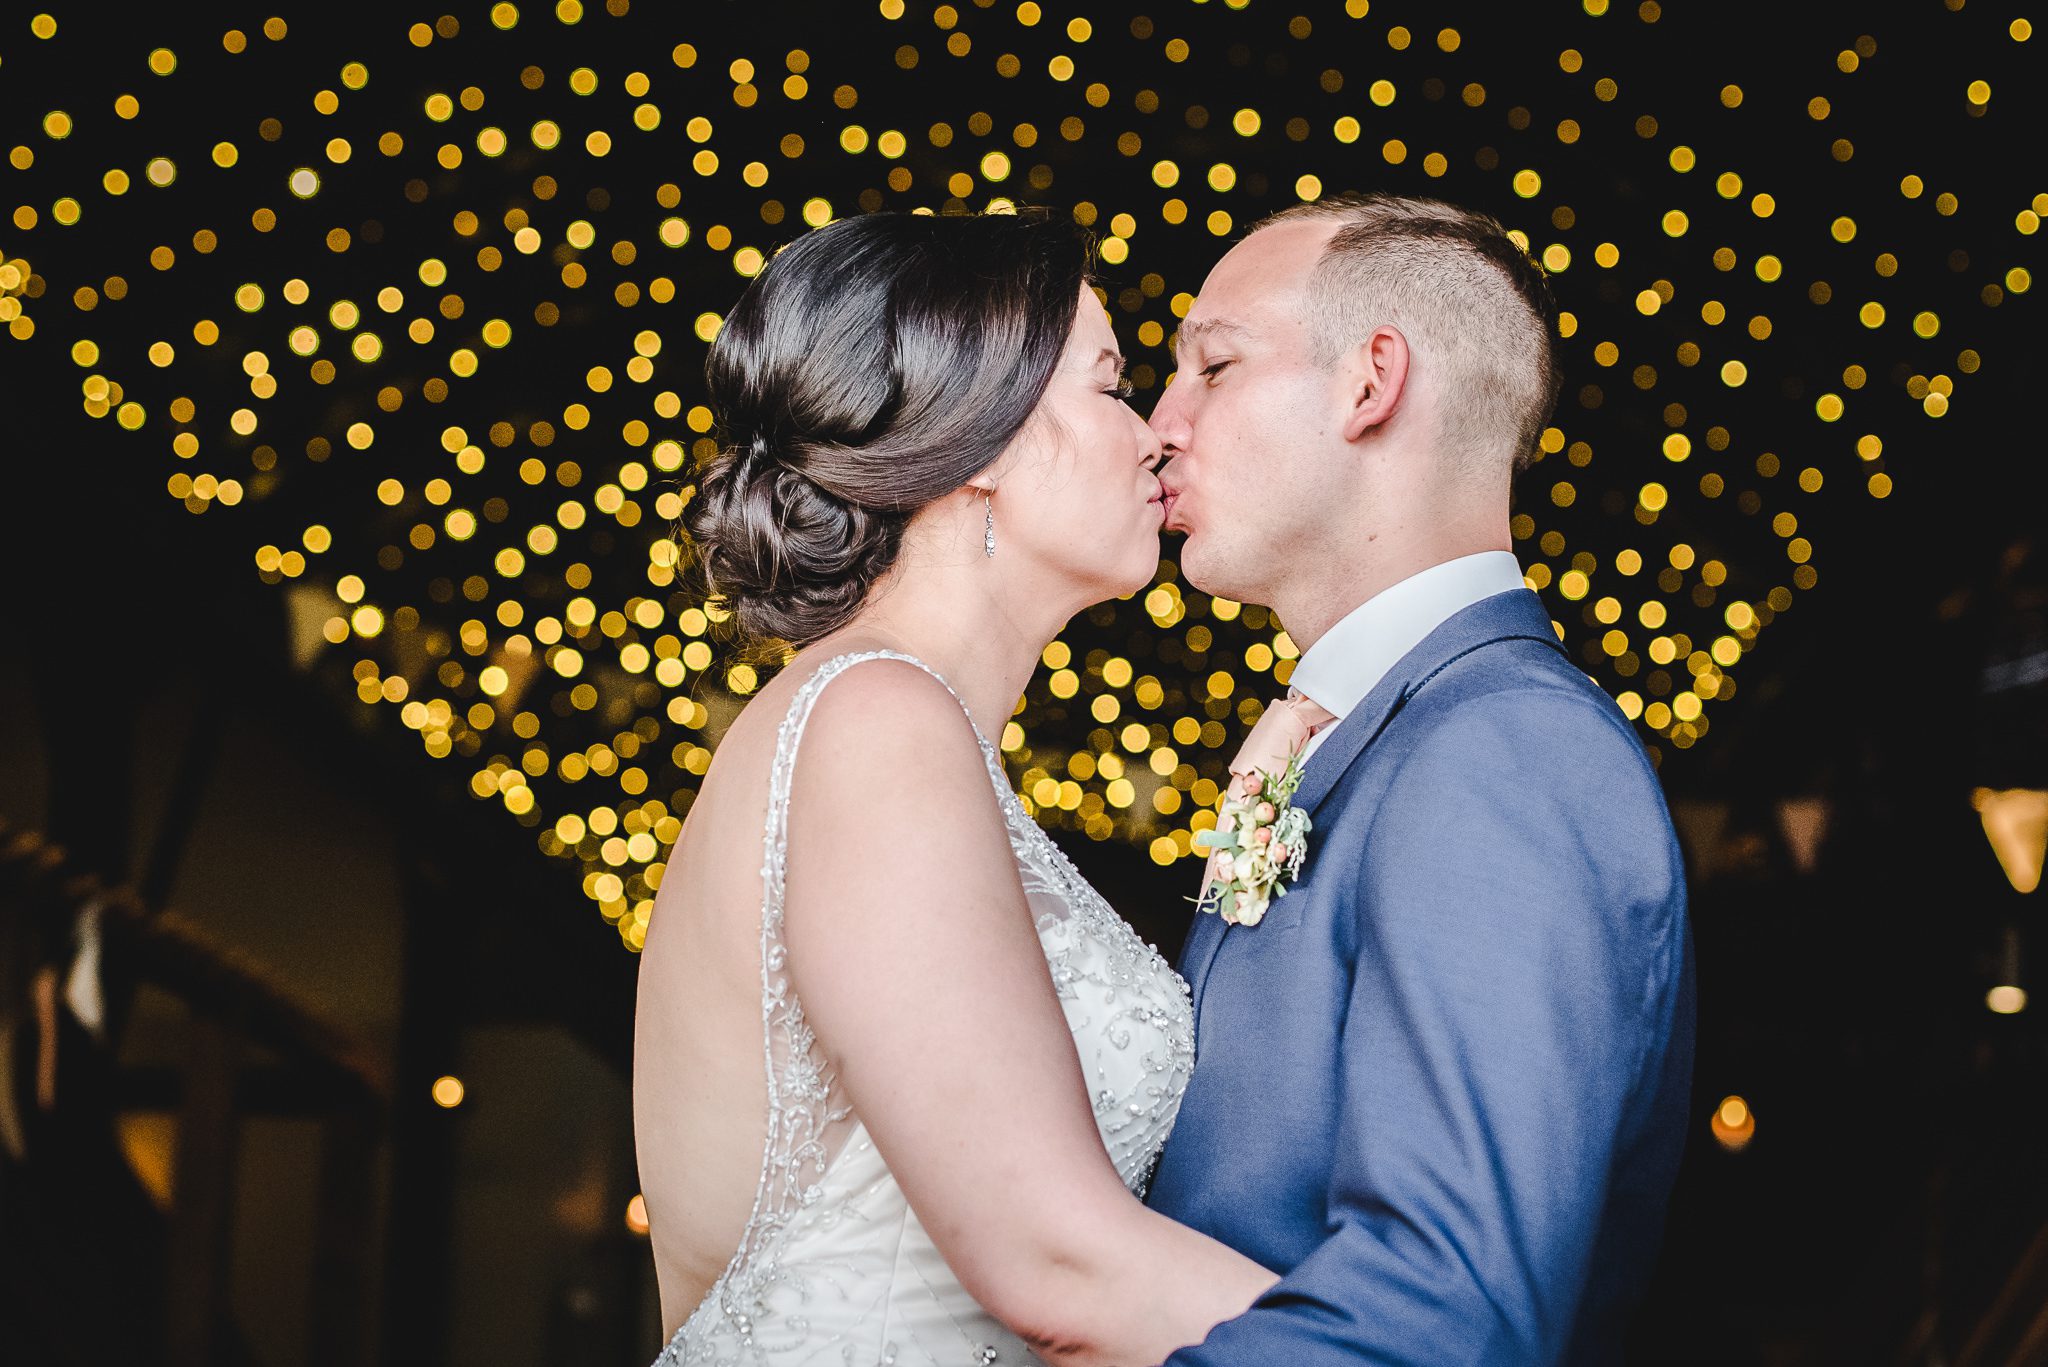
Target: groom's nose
{"points": [[1152, 454], [1169, 421]]}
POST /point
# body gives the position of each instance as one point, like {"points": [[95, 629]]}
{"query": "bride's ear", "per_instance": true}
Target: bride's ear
{"points": [[1375, 379], [989, 478]]}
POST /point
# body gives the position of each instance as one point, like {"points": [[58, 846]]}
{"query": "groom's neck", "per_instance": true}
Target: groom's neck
{"points": [[1328, 587]]}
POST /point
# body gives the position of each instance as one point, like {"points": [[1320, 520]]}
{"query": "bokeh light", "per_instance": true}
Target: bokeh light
{"points": [[442, 354]]}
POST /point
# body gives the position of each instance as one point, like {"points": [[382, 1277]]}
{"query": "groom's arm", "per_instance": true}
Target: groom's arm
{"points": [[1519, 916]]}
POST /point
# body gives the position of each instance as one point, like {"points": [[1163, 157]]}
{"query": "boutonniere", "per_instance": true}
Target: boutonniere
{"points": [[1256, 849]]}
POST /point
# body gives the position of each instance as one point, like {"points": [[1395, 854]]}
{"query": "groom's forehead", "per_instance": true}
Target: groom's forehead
{"points": [[1257, 280], [1280, 255], [1238, 318]]}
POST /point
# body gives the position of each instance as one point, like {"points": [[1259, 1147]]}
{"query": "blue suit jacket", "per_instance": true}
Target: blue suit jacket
{"points": [[1442, 1087]]}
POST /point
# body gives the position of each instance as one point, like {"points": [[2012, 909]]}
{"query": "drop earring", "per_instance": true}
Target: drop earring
{"points": [[988, 539]]}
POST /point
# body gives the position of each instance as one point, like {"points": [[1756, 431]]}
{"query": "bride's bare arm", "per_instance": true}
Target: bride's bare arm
{"points": [[912, 949]]}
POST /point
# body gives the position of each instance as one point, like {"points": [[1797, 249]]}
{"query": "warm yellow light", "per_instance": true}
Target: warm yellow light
{"points": [[448, 1092], [2016, 823], [1734, 1124], [2006, 999]]}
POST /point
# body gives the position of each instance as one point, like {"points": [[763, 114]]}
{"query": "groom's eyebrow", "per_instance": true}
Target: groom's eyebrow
{"points": [[1203, 328]]}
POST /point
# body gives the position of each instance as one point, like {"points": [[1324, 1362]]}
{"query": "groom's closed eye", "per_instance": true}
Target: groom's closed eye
{"points": [[1213, 369]]}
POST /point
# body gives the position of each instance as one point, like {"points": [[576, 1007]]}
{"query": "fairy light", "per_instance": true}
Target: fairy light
{"points": [[464, 426]]}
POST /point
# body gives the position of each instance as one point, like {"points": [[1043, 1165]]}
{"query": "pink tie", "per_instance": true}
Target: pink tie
{"points": [[1279, 734]]}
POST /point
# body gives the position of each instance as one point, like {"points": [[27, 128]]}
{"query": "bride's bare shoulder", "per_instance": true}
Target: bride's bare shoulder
{"points": [[875, 710], [865, 710]]}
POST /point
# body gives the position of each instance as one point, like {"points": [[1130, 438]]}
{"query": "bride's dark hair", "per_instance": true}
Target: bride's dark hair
{"points": [[873, 366]]}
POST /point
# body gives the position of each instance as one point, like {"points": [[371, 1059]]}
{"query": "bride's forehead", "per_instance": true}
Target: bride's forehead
{"points": [[1092, 330]]}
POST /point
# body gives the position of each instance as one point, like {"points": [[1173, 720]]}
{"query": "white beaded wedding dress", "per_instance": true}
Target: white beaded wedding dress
{"points": [[833, 1267]]}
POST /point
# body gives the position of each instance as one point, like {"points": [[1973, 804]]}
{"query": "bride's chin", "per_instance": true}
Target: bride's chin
{"points": [[1142, 574], [1132, 576]]}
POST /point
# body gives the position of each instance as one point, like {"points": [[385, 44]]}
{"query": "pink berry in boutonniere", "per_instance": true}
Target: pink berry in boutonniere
{"points": [[1256, 846]]}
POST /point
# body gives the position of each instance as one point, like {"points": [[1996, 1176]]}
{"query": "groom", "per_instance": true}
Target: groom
{"points": [[1442, 1085]]}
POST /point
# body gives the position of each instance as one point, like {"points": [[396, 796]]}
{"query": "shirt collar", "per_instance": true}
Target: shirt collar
{"points": [[1356, 653]]}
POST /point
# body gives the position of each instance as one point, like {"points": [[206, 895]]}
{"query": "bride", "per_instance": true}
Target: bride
{"points": [[900, 1074]]}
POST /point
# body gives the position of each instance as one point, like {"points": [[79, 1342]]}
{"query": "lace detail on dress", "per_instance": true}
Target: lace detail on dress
{"points": [[830, 1245], [1099, 964]]}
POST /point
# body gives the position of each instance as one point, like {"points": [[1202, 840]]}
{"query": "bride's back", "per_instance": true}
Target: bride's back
{"points": [[700, 1098]]}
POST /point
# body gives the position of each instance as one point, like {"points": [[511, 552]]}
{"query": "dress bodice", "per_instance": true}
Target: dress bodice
{"points": [[833, 1266]]}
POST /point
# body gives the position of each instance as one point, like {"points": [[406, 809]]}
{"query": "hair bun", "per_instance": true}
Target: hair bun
{"points": [[791, 559], [871, 368]]}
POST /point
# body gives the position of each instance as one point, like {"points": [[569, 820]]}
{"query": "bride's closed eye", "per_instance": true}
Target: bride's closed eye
{"points": [[1122, 389]]}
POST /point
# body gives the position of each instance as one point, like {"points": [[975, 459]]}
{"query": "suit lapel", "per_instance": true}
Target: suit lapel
{"points": [[1348, 741], [1517, 614], [1205, 937]]}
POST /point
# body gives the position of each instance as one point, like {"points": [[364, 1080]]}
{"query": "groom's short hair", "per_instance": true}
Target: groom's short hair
{"points": [[1474, 307]]}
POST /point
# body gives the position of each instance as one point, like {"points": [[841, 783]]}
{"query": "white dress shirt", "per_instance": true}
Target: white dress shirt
{"points": [[1350, 659]]}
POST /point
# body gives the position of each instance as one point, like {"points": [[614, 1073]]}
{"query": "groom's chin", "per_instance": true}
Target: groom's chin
{"points": [[1180, 547], [1200, 569]]}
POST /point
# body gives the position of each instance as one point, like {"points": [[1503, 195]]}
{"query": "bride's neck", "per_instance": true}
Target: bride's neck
{"points": [[976, 622]]}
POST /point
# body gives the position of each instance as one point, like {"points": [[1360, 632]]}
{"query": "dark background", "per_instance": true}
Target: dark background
{"points": [[321, 921]]}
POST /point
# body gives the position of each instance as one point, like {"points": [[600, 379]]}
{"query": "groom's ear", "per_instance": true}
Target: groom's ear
{"points": [[1375, 378]]}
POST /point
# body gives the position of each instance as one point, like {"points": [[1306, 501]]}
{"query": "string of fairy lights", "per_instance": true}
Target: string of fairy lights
{"points": [[517, 354]]}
